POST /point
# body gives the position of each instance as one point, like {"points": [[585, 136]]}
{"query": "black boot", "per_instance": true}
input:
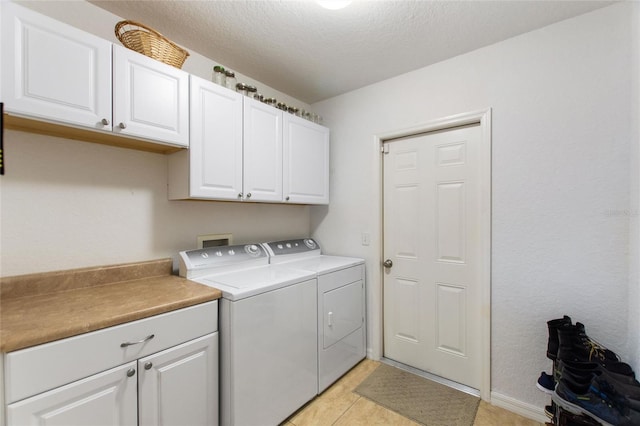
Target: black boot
{"points": [[552, 343], [576, 346]]}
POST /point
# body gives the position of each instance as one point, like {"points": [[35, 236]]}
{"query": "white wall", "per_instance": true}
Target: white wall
{"points": [[634, 246], [560, 100], [67, 204]]}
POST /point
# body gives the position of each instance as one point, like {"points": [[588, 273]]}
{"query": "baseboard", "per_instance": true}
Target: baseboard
{"points": [[526, 410]]}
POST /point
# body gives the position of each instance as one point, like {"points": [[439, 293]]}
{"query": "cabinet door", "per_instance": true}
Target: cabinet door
{"points": [[179, 386], [105, 399], [262, 152], [150, 98], [215, 156], [306, 161], [54, 72]]}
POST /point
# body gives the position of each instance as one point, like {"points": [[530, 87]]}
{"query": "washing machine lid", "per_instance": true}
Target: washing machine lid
{"points": [[322, 264], [249, 282]]}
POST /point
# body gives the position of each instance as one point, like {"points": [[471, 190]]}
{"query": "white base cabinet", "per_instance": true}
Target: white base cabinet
{"points": [[107, 398], [160, 371], [179, 386]]}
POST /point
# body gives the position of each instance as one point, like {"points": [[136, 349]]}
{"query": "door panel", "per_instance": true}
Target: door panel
{"points": [[179, 386], [104, 399], [150, 99], [54, 71], [431, 233], [262, 152]]}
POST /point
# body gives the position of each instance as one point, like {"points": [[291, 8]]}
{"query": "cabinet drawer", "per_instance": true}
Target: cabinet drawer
{"points": [[40, 368]]}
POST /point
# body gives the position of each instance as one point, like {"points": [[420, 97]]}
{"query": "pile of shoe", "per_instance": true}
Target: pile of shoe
{"points": [[589, 384]]}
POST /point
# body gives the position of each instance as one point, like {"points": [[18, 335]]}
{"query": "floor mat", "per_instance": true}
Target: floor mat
{"points": [[422, 400]]}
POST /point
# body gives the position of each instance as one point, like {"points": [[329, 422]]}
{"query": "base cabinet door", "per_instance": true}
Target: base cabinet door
{"points": [[179, 386], [104, 399]]}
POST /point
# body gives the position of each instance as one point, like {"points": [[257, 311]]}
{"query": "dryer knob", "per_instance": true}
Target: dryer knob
{"points": [[310, 243]]}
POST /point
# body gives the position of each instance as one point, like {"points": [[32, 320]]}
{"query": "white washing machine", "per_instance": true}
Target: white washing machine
{"points": [[341, 302], [268, 332]]}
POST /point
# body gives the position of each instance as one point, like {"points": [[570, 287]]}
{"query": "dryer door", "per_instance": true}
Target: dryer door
{"points": [[342, 312]]}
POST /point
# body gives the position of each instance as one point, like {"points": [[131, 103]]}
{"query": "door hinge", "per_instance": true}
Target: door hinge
{"points": [[384, 148]]}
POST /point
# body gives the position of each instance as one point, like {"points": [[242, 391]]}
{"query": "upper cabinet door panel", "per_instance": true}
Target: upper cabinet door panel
{"points": [[216, 141], [53, 71], [306, 161], [262, 152], [150, 99]]}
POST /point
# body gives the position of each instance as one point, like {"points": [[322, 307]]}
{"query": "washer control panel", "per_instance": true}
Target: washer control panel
{"points": [[212, 256]]}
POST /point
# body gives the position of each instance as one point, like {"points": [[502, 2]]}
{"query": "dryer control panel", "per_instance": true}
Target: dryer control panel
{"points": [[289, 247]]}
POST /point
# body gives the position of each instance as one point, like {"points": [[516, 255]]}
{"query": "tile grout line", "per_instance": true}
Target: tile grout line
{"points": [[346, 410]]}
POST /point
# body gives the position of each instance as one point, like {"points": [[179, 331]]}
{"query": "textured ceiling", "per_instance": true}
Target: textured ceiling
{"points": [[312, 53]]}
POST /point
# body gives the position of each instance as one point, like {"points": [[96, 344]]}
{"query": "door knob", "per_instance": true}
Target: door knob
{"points": [[388, 263]]}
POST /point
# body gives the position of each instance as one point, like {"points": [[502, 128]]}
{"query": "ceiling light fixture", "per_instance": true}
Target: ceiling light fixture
{"points": [[333, 4]]}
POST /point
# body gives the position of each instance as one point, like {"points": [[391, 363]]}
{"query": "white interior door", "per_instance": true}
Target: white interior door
{"points": [[432, 236]]}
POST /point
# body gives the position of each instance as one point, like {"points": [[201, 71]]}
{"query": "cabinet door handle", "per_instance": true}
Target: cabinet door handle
{"points": [[105, 121], [148, 365], [149, 337], [122, 126], [131, 372], [287, 199], [240, 195], [249, 195]]}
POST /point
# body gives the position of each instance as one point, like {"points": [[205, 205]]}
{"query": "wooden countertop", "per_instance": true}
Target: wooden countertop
{"points": [[41, 308]]}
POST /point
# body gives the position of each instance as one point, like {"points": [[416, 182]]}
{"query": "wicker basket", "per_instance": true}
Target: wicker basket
{"points": [[151, 43]]}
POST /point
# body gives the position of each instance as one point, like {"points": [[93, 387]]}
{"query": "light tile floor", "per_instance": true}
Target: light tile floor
{"points": [[340, 405]]}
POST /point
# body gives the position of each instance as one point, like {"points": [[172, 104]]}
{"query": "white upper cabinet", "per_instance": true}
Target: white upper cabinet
{"points": [[262, 151], [60, 80], [53, 71], [306, 161], [150, 98], [242, 149], [212, 168]]}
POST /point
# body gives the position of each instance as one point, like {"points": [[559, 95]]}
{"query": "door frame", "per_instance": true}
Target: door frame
{"points": [[482, 118]]}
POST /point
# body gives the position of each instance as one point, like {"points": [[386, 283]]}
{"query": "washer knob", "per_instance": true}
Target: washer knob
{"points": [[252, 249], [310, 243]]}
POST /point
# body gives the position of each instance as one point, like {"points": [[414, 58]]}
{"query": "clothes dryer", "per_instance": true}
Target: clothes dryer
{"points": [[341, 303]]}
